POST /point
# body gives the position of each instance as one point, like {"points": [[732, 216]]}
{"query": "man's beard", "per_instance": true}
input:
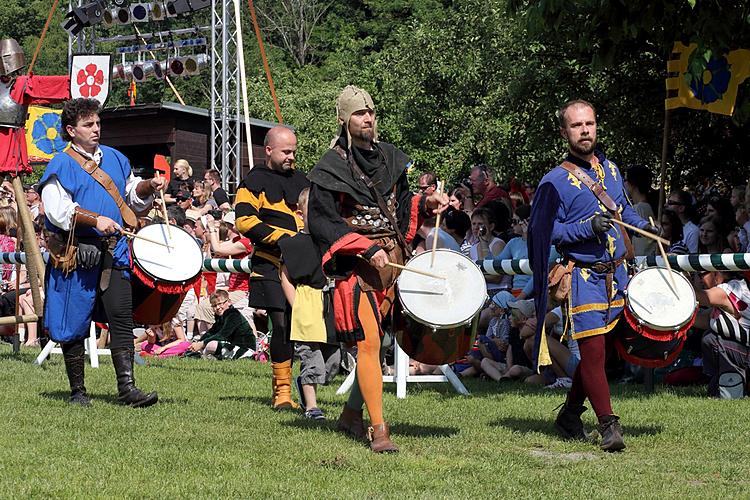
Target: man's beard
{"points": [[364, 135], [582, 148]]}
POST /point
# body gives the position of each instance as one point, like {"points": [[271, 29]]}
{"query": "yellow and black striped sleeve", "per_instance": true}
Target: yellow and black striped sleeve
{"points": [[262, 221]]}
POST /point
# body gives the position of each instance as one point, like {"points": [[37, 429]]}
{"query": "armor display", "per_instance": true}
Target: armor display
{"points": [[11, 56], [12, 114]]}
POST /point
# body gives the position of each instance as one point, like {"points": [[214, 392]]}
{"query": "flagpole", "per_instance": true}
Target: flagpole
{"points": [[664, 151]]}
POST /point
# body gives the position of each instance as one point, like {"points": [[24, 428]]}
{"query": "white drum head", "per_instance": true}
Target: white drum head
{"points": [[442, 303], [182, 262], [651, 299]]}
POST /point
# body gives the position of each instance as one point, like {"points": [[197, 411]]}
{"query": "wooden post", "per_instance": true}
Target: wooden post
{"points": [[663, 172], [34, 261]]}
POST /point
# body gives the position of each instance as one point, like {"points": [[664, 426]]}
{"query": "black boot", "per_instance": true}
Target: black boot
{"points": [[127, 392], [568, 422], [611, 431], [73, 354]]}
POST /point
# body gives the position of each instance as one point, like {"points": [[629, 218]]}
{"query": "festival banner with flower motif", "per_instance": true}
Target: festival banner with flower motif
{"points": [[90, 76], [43, 128], [716, 90]]}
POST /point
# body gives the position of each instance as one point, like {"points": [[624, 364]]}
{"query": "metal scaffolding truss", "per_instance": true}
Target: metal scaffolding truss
{"points": [[226, 131], [226, 127]]}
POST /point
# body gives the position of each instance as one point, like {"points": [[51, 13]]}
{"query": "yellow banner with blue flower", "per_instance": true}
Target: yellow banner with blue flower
{"points": [[43, 133], [716, 90]]}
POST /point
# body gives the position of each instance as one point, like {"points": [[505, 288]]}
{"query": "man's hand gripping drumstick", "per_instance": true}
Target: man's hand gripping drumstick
{"points": [[157, 176]]}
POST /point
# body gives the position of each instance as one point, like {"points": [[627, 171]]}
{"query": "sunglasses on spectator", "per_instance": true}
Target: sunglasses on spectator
{"points": [[425, 188], [672, 202]]}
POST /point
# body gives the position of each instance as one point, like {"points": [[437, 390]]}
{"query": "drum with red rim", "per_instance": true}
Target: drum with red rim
{"points": [[658, 313], [162, 274]]}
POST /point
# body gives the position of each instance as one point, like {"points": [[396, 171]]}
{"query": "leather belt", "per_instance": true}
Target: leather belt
{"points": [[600, 267]]}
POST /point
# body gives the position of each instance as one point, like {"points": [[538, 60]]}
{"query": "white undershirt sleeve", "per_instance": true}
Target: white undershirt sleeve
{"points": [[58, 204]]}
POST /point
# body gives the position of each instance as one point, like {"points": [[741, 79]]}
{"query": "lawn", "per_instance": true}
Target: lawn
{"points": [[213, 434]]}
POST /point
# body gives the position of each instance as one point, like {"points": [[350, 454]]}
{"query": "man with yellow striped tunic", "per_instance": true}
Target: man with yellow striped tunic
{"points": [[265, 209]]}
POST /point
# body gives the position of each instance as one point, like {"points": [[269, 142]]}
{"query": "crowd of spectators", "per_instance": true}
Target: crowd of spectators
{"points": [[485, 220]]}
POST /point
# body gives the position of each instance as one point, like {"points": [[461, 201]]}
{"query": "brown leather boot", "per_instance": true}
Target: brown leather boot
{"points": [[351, 423], [282, 386], [380, 439]]}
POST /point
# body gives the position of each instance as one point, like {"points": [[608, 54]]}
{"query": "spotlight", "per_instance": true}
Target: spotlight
{"points": [[123, 16], [194, 63], [158, 11], [122, 71], [177, 7], [108, 18], [139, 12], [142, 71], [83, 17], [119, 3], [177, 66]]}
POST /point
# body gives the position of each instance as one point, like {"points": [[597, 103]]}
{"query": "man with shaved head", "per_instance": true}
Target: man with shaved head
{"points": [[266, 207]]}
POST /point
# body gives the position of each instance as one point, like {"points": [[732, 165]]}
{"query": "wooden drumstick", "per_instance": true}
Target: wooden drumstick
{"points": [[666, 261], [436, 234], [640, 231], [415, 271], [144, 238], [164, 208]]}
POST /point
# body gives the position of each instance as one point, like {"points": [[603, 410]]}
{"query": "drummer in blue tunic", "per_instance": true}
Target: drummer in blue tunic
{"points": [[88, 276], [566, 213]]}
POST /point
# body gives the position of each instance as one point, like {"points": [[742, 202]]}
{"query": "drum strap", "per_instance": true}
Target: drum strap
{"points": [[604, 198], [100, 176]]}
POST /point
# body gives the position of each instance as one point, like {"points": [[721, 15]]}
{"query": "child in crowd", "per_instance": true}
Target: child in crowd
{"points": [[492, 348], [230, 337], [312, 326], [162, 341]]}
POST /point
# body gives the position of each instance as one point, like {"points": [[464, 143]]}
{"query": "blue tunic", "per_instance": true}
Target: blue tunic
{"points": [[561, 215], [70, 299]]}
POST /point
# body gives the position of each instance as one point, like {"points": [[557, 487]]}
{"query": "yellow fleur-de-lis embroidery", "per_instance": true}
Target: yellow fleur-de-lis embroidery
{"points": [[574, 181], [611, 245], [613, 292], [613, 170], [585, 274], [599, 171]]}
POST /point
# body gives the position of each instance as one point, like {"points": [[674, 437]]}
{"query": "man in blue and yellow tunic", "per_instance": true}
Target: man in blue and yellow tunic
{"points": [[265, 208], [566, 213]]}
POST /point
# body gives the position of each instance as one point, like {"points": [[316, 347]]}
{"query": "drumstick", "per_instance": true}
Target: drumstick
{"points": [[641, 231], [437, 226], [144, 238], [164, 207], [415, 271], [666, 261]]}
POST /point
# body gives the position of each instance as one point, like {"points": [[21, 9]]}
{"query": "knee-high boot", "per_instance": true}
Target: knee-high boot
{"points": [[74, 367], [282, 386], [127, 392]]}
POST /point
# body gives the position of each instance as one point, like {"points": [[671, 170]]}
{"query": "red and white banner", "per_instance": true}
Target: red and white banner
{"points": [[90, 76]]}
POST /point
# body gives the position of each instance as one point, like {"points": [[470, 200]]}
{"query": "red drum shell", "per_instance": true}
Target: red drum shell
{"points": [[647, 347]]}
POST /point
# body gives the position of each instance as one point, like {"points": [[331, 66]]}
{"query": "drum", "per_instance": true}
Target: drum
{"points": [[657, 317], [440, 316], [162, 275]]}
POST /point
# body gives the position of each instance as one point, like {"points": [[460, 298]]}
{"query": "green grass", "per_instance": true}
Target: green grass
{"points": [[213, 434]]}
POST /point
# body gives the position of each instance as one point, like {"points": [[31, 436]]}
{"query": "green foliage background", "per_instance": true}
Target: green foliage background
{"points": [[466, 81]]}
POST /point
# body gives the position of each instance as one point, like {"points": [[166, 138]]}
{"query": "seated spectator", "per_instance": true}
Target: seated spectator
{"points": [[671, 227], [212, 179], [34, 201], [235, 246], [427, 183], [517, 247], [726, 344], [162, 341], [681, 202], [202, 202], [457, 196], [485, 245], [492, 347], [483, 185], [452, 235], [230, 336], [637, 182]]}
